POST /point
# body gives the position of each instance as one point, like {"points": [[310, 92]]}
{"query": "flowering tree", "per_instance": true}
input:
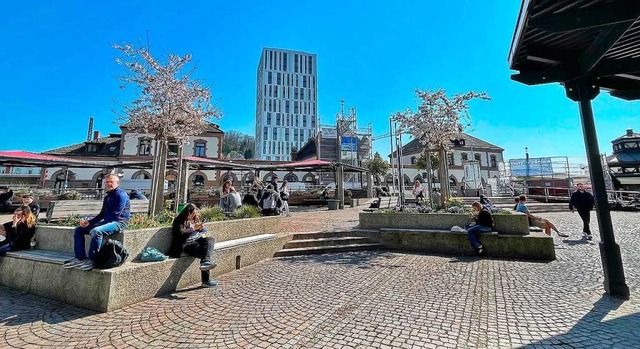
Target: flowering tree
{"points": [[170, 105], [438, 121]]}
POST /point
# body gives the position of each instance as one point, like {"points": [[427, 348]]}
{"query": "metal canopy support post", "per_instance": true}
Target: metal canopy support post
{"points": [[583, 91], [340, 185]]}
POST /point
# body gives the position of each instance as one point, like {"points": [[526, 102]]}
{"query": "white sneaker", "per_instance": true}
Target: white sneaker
{"points": [[73, 263], [87, 265], [564, 235]]}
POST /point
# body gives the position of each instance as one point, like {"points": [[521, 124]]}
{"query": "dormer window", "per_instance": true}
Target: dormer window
{"points": [[200, 148], [92, 148], [144, 146]]}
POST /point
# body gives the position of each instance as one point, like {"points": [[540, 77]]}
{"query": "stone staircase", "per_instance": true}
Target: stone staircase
{"points": [[326, 242]]}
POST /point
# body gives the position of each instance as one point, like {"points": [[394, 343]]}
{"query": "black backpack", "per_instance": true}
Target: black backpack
{"points": [[110, 255]]}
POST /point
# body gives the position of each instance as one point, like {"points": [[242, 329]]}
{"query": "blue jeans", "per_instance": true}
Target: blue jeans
{"points": [[4, 249], [473, 233], [97, 232]]}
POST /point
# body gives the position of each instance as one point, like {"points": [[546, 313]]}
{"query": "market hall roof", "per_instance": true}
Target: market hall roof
{"points": [[25, 158], [414, 146], [565, 40]]}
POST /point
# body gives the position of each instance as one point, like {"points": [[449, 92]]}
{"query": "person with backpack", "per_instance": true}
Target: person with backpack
{"points": [[190, 237], [270, 202], [483, 224], [583, 201], [113, 218]]}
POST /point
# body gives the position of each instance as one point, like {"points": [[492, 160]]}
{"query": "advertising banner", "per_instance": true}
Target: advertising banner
{"points": [[534, 167], [472, 177], [349, 148]]}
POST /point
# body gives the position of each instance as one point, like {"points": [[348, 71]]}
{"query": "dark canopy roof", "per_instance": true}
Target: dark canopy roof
{"points": [[563, 40], [28, 159]]}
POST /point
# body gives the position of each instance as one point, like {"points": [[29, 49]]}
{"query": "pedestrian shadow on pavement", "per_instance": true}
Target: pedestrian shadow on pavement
{"points": [[20, 308], [362, 259], [623, 332], [581, 241]]}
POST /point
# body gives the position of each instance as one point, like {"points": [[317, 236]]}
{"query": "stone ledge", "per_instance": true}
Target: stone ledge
{"points": [[535, 246], [60, 239], [106, 290], [516, 223]]}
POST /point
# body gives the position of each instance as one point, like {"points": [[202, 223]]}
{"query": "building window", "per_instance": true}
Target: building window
{"points": [[450, 159], [269, 78], [268, 118], [310, 65], [295, 134], [200, 149], [297, 120], [197, 180], [279, 79], [414, 160], [304, 121], [477, 158], [494, 163], [275, 134], [295, 107], [304, 81], [278, 119], [464, 157], [286, 134], [265, 133], [173, 149], [284, 61], [286, 107]]}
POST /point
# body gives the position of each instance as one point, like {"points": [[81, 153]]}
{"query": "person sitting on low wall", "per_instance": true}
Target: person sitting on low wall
{"points": [[484, 224], [19, 232], [5, 200], [113, 218], [27, 200], [190, 237], [537, 221]]}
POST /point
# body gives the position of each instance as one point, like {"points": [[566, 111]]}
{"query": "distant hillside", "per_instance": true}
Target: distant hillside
{"points": [[236, 145]]}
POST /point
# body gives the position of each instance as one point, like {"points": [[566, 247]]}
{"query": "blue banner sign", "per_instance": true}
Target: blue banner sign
{"points": [[534, 167]]}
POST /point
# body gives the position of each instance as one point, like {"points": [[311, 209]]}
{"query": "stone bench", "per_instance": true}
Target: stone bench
{"points": [[239, 243], [534, 246]]}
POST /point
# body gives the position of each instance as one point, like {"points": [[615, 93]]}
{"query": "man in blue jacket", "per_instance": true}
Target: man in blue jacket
{"points": [[582, 201], [113, 218]]}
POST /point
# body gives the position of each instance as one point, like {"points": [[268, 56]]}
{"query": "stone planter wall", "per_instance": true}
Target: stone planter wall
{"points": [[503, 223]]}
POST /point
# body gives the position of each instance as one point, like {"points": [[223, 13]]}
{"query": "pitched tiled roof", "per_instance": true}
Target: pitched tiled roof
{"points": [[106, 147], [415, 147]]}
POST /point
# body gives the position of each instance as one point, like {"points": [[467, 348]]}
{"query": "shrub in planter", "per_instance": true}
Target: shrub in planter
{"points": [[70, 195], [246, 211], [211, 214]]}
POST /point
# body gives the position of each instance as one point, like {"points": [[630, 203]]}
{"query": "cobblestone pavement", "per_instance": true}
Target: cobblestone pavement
{"points": [[365, 300]]}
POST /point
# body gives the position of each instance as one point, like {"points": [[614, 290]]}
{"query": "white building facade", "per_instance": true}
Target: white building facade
{"points": [[286, 103]]}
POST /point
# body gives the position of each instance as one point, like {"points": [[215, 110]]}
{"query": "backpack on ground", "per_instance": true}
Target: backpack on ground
{"points": [[270, 202], [110, 255]]}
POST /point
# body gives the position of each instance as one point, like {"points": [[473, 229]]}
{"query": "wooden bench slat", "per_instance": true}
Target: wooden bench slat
{"points": [[64, 208]]}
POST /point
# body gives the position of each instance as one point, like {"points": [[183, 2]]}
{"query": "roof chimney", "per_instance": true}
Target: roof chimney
{"points": [[90, 129], [96, 135], [630, 132]]}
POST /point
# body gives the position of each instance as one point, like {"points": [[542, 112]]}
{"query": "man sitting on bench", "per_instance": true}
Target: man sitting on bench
{"points": [[113, 218]]}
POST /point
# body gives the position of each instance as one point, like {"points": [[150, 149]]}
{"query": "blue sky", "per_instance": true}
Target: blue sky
{"points": [[58, 65]]}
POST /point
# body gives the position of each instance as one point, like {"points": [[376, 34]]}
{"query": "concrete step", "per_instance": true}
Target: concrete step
{"points": [[320, 235], [327, 249], [332, 241]]}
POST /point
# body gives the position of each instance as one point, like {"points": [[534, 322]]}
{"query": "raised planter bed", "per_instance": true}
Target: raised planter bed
{"points": [[504, 223]]}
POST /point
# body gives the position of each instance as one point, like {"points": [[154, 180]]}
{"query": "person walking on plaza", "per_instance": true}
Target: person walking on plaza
{"points": [[537, 221], [484, 223], [190, 237], [19, 232], [582, 201], [113, 218], [285, 192]]}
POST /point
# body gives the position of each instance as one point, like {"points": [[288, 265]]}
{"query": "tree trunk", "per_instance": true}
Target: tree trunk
{"points": [[156, 202], [179, 198], [444, 177], [429, 178]]}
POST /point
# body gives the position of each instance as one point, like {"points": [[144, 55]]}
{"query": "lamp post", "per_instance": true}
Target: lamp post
{"points": [[526, 173]]}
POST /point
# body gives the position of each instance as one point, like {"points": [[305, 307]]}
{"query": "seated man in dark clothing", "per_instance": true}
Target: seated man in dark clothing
{"points": [[27, 200], [137, 194], [5, 200], [250, 198]]}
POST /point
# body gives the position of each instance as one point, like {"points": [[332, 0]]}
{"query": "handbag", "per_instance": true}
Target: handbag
{"points": [[151, 254]]}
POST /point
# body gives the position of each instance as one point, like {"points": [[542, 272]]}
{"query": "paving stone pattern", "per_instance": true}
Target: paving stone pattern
{"points": [[365, 300]]}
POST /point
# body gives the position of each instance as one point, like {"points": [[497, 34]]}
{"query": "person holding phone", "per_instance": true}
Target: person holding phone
{"points": [[19, 232], [190, 237]]}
